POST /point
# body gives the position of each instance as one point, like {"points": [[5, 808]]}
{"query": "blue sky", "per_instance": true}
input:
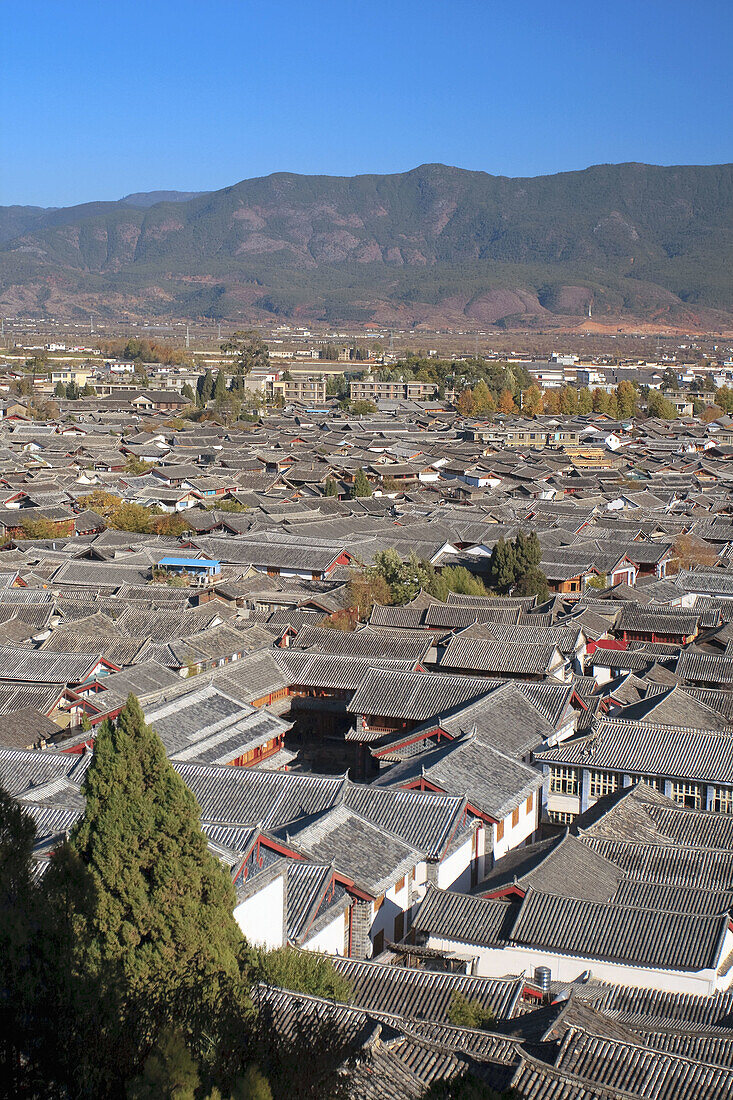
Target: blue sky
{"points": [[102, 97]]}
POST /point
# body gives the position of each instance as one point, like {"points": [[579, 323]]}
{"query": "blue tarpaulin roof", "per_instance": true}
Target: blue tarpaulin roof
{"points": [[188, 563]]}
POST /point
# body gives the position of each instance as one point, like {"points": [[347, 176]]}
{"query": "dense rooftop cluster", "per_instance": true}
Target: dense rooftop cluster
{"points": [[511, 802]]}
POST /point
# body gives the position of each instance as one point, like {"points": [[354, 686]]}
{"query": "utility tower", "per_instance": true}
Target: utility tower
{"points": [[188, 339]]}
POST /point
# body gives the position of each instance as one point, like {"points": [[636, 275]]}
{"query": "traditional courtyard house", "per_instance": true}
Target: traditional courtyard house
{"points": [[206, 725], [502, 792], [693, 767], [705, 669], [521, 661], [621, 944], [159, 401], [657, 624]]}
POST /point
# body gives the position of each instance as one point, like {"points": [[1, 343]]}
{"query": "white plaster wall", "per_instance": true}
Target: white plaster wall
{"points": [[330, 939], [394, 902], [495, 962], [563, 803], [517, 834], [262, 916], [454, 873]]}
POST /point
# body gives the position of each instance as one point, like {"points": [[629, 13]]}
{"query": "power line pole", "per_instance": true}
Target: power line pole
{"points": [[188, 340]]}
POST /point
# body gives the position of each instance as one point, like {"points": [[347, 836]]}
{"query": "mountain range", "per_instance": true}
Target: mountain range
{"points": [[631, 244]]}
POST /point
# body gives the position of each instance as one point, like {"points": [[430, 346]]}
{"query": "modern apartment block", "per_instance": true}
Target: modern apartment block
{"points": [[370, 390], [308, 388]]}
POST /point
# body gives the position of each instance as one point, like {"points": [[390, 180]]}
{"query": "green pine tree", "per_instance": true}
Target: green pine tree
{"points": [[220, 387], [331, 488], [527, 553], [502, 566], [158, 936], [21, 926], [533, 583], [169, 1073], [188, 393], [205, 387], [585, 401], [361, 486], [253, 1086]]}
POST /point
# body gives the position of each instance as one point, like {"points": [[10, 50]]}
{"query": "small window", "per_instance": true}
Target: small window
{"points": [[400, 884], [530, 803], [687, 794], [561, 817], [500, 830], [515, 817], [723, 800], [399, 927], [602, 783], [378, 943], [563, 781], [378, 903]]}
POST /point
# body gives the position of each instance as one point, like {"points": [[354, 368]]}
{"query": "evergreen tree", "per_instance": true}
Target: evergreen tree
{"points": [[568, 401], [205, 387], [157, 936], [302, 971], [253, 1086], [527, 553], [361, 486], [600, 401], [169, 1073], [331, 488], [502, 565], [533, 583], [251, 353], [59, 390], [21, 926], [658, 405], [220, 388], [458, 579], [626, 399], [463, 1012], [188, 393]]}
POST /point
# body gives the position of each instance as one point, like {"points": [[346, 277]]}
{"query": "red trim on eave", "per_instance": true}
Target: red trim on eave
{"points": [[505, 892], [277, 846], [425, 736]]}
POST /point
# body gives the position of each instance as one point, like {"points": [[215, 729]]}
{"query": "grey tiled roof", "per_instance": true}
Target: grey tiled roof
{"points": [[558, 865], [450, 916], [372, 857], [208, 726], [647, 749], [493, 782], [414, 695], [624, 934], [424, 994]]}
